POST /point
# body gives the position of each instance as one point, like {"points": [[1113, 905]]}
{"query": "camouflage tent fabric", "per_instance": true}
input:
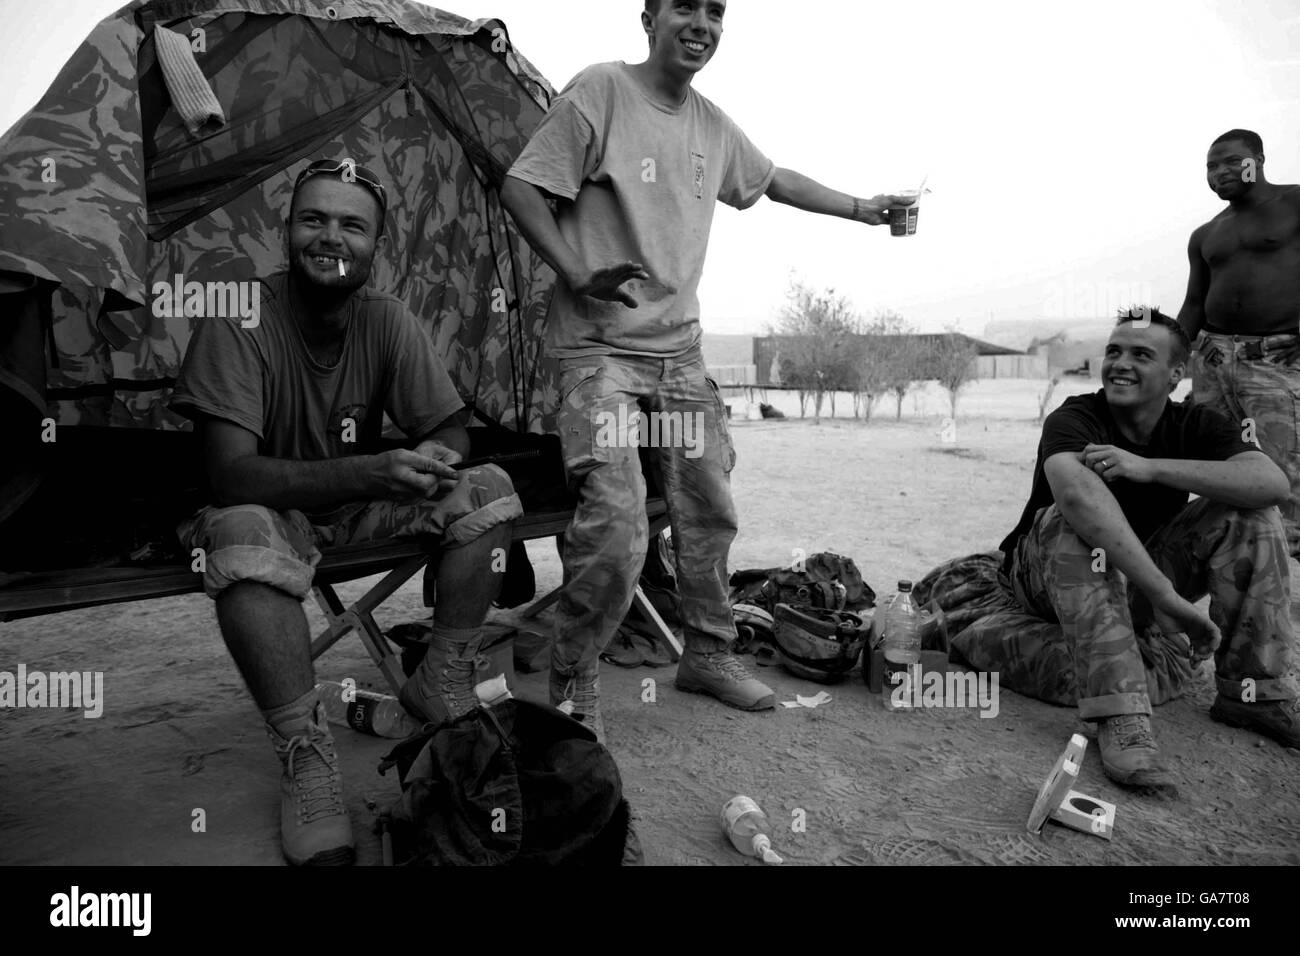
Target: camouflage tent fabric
{"points": [[105, 191]]}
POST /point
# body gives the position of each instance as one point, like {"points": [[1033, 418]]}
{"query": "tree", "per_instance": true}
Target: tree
{"points": [[816, 353], [885, 359], [950, 360], [867, 385], [900, 365]]}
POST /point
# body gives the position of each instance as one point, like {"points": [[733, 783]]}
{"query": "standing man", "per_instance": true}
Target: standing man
{"points": [[1243, 297], [636, 160]]}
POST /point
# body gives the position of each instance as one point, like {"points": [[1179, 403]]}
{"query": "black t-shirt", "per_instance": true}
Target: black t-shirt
{"points": [[1186, 431]]}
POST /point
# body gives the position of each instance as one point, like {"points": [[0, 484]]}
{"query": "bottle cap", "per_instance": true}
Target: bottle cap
{"points": [[904, 585], [763, 849]]}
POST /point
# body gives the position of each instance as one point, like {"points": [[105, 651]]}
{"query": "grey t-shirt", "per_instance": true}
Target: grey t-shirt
{"points": [[264, 378], [637, 181]]}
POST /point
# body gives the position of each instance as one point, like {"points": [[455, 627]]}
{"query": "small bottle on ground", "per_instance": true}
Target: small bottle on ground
{"points": [[379, 715], [747, 828], [901, 642]]}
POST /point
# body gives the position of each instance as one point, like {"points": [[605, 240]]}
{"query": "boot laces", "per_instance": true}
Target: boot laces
{"points": [[728, 665], [317, 783], [1132, 730], [584, 692], [456, 684]]}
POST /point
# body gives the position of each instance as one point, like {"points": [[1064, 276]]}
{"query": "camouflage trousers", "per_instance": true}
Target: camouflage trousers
{"points": [[282, 548], [1068, 632], [1256, 386], [611, 406]]}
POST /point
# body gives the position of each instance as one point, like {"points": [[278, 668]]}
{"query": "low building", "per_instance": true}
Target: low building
{"points": [[991, 361]]}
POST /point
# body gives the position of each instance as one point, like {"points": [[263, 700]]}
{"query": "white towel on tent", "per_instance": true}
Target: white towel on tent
{"points": [[190, 91]]}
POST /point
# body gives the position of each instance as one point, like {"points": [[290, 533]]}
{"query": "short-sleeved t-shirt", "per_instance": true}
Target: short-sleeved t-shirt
{"points": [[637, 180], [264, 378], [1185, 431]]}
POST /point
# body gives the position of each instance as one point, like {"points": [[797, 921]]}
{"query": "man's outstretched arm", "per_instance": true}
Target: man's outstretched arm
{"points": [[798, 190]]}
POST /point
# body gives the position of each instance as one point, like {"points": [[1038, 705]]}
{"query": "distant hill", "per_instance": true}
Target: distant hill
{"points": [[1068, 341], [1019, 334]]}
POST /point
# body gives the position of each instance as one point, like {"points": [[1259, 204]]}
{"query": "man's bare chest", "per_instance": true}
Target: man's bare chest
{"points": [[1271, 228]]}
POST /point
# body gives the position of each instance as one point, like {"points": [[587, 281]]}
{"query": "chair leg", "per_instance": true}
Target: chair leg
{"points": [[381, 652], [648, 609], [359, 617], [363, 622], [542, 603]]}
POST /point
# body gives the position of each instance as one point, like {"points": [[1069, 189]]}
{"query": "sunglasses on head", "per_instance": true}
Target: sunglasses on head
{"points": [[326, 167]]}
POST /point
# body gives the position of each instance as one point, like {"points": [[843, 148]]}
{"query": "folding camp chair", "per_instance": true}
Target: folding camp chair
{"points": [[404, 559], [32, 595]]}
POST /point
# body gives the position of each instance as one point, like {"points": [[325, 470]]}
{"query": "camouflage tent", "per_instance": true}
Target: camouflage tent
{"points": [[112, 186]]}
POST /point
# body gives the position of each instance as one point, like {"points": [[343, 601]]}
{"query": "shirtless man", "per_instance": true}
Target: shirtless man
{"points": [[1243, 299]]}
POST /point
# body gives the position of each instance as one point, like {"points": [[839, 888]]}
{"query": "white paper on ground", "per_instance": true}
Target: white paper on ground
{"points": [[821, 698]]}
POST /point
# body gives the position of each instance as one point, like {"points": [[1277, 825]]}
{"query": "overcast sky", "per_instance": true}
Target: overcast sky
{"points": [[1065, 144]]}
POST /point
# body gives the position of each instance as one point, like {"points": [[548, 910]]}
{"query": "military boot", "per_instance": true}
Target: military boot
{"points": [[721, 675], [315, 829], [577, 693], [1279, 719], [442, 687], [1129, 754]]}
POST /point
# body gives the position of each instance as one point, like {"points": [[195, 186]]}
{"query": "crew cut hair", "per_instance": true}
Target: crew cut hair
{"points": [[1249, 137], [1182, 344]]}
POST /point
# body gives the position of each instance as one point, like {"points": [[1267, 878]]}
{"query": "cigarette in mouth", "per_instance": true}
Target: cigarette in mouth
{"points": [[342, 271]]}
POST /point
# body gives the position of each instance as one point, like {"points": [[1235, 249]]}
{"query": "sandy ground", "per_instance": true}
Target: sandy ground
{"points": [[179, 732]]}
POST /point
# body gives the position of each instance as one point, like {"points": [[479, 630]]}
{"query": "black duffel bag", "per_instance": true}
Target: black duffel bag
{"points": [[516, 783]]}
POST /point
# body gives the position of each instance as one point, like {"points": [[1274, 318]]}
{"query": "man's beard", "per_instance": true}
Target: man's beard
{"points": [[326, 295]]}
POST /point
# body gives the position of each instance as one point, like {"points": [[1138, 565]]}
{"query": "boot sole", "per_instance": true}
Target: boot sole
{"points": [[337, 856], [1139, 778], [1229, 720], [763, 703]]}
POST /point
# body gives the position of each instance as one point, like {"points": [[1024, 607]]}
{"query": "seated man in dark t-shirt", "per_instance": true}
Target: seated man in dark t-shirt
{"points": [[289, 409], [1108, 541]]}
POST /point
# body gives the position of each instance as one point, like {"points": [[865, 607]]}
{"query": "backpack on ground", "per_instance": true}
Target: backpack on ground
{"points": [[512, 784], [827, 580]]}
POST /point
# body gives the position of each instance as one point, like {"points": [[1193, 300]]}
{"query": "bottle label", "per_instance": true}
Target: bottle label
{"points": [[735, 808], [901, 657], [361, 715]]}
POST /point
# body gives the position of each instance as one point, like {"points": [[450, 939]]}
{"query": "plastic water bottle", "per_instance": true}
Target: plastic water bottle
{"points": [[901, 641], [379, 715], [747, 828]]}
